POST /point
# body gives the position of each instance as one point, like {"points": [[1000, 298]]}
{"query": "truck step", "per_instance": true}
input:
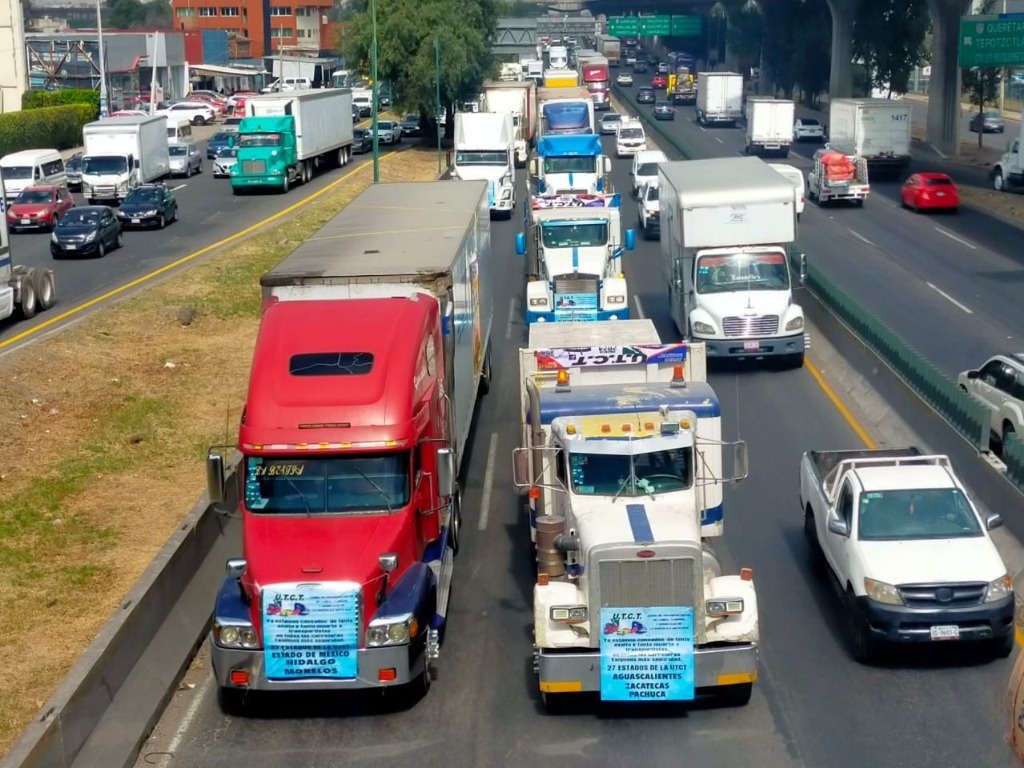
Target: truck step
{"points": [[444, 581]]}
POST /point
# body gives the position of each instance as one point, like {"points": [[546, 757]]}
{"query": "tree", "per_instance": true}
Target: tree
{"points": [[888, 36], [745, 33], [812, 53], [134, 14]]}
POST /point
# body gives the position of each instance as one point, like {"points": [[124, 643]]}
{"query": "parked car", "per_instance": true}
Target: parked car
{"points": [[227, 158], [129, 113], [610, 123], [39, 207], [362, 141], [932, 191], [645, 96], [73, 170], [807, 129], [185, 158], [659, 81], [85, 231], [411, 125], [999, 384], [388, 132], [237, 96], [148, 204], [195, 112], [219, 103], [987, 122], [218, 140], [624, 78], [663, 110]]}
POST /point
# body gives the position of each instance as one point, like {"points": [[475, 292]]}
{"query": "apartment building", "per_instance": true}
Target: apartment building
{"points": [[272, 26]]}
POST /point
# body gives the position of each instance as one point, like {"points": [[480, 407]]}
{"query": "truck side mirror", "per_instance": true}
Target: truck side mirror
{"points": [[445, 472], [740, 461], [215, 477], [606, 164], [533, 166], [520, 244], [838, 527], [520, 468], [630, 239], [387, 561]]}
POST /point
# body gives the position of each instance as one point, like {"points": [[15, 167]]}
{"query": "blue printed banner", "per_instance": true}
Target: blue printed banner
{"points": [[310, 630], [575, 306], [647, 654]]}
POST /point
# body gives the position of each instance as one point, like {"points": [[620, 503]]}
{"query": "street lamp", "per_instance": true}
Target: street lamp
{"points": [[437, 99], [103, 66], [375, 87]]}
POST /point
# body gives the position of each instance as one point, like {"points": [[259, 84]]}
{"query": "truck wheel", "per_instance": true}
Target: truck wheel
{"points": [[485, 378], [27, 306], [455, 524], [734, 695], [284, 184], [862, 644], [998, 182], [46, 292], [1004, 647]]}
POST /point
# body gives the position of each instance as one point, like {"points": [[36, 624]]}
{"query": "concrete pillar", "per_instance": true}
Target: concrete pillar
{"points": [[729, 11], [943, 128], [840, 84]]}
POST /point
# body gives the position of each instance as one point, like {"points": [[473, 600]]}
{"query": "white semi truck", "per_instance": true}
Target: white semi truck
{"points": [[727, 228], [119, 153], [769, 130], [519, 100], [1008, 173], [877, 130], [719, 98], [485, 150], [23, 290], [622, 460]]}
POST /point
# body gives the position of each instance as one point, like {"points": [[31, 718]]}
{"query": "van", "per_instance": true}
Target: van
{"points": [[178, 130], [296, 84], [31, 167], [796, 178]]}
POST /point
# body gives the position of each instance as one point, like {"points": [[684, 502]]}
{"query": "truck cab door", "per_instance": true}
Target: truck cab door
{"points": [[837, 546]]}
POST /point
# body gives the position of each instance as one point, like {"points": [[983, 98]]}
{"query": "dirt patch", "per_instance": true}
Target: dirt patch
{"points": [[103, 431]]}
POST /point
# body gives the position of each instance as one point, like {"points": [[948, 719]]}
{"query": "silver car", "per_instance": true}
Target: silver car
{"points": [[227, 158], [185, 158]]}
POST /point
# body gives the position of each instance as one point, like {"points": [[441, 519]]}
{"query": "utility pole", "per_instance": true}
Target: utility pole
{"points": [[103, 66], [375, 87], [437, 99], [1003, 72]]}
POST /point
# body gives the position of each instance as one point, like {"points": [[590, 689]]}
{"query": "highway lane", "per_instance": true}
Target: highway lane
{"points": [[209, 213], [813, 706]]}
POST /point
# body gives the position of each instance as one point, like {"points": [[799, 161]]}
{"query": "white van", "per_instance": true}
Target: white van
{"points": [[178, 130], [796, 178], [31, 166], [558, 57]]}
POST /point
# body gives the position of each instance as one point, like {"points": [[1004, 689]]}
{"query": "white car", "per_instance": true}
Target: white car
{"points": [[999, 384], [630, 138], [226, 159], [195, 112], [808, 129], [645, 167], [388, 132], [796, 178], [649, 211], [624, 78]]}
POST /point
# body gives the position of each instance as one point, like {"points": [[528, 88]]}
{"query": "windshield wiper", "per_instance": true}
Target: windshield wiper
{"points": [[294, 487], [387, 501]]}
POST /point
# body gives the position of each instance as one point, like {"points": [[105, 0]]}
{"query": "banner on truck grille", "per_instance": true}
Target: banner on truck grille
{"points": [[582, 357], [647, 654], [574, 200], [310, 630], [575, 306]]}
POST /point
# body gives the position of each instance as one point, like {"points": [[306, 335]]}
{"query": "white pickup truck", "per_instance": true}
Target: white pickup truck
{"points": [[909, 553]]}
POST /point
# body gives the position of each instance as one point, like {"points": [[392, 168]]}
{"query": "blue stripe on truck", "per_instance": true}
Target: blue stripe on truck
{"points": [[638, 522]]}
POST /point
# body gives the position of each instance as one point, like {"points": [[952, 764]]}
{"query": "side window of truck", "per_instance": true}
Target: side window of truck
{"points": [[844, 507], [559, 460]]}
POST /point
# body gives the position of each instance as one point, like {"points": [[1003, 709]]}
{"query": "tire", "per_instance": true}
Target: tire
{"points": [[734, 695], [998, 182], [161, 222], [188, 171], [174, 215], [485, 379], [285, 185], [455, 536], [863, 646], [119, 242], [53, 223], [46, 291], [817, 557], [101, 250], [27, 306], [1004, 646]]}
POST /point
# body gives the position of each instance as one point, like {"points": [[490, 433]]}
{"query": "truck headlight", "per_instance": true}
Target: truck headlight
{"points": [[704, 328], [796, 324], [998, 589], [620, 299], [541, 302], [391, 630], [881, 592], [568, 614], [235, 635], [726, 606]]}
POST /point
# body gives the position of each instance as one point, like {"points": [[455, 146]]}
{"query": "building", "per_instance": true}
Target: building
{"points": [[13, 66], [272, 27]]}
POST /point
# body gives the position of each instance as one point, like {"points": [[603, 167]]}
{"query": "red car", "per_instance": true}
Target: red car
{"points": [[659, 81], [219, 105], [930, 191], [39, 207]]}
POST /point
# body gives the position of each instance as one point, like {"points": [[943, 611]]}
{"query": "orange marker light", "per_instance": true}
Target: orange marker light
{"points": [[677, 372], [627, 427], [534, 492], [649, 426], [605, 428], [563, 376], [747, 574], [542, 579], [386, 675]]}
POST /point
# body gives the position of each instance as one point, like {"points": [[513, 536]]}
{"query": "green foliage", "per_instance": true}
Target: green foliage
{"points": [[135, 14], [57, 127], [37, 99], [888, 35]]}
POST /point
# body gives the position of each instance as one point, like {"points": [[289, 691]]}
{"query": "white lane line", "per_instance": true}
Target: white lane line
{"points": [[950, 299], [741, 153], [860, 237], [702, 128], [511, 318], [485, 498], [639, 308], [180, 186], [960, 240], [174, 745], [719, 140]]}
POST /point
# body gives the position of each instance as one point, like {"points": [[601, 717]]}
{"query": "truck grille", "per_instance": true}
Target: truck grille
{"points": [[653, 582], [941, 595], [104, 192], [254, 166], [577, 283], [766, 325]]}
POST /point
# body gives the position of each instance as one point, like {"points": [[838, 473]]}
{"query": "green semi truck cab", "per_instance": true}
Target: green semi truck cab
{"points": [[266, 152]]}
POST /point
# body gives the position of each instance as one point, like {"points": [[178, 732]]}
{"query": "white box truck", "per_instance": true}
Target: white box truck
{"points": [[876, 129], [485, 150], [520, 101], [119, 153], [727, 228], [769, 127], [719, 98], [285, 137]]}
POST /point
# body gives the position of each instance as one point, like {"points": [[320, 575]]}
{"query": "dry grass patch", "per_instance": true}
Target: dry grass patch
{"points": [[103, 430], [1008, 204]]}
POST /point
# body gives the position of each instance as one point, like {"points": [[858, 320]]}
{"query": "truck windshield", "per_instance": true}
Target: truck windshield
{"points": [[16, 172], [742, 271], [481, 158], [601, 474], [592, 234], [100, 165], [359, 484], [570, 164], [259, 140], [937, 513]]}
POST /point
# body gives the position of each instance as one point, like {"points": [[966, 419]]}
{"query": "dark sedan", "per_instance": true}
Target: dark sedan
{"points": [[411, 125], [645, 96], [987, 122], [148, 205], [664, 111], [362, 141], [640, 68], [86, 231], [218, 140]]}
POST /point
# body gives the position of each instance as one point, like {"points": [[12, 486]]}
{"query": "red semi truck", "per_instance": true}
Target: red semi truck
{"points": [[596, 80], [373, 345]]}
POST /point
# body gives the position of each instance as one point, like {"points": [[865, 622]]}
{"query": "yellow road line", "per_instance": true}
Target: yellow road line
{"points": [[841, 407], [184, 259]]}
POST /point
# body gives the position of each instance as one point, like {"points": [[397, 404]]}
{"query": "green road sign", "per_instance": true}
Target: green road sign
{"points": [[686, 26], [655, 25], [623, 26], [992, 41]]}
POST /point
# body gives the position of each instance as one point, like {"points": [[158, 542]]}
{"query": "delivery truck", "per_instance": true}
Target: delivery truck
{"points": [[373, 345], [769, 130], [286, 137], [519, 100], [119, 153], [728, 226], [561, 78], [565, 111], [485, 149], [23, 290], [719, 98], [876, 129]]}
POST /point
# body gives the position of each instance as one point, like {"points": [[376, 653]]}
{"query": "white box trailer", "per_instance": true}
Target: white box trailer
{"points": [[520, 101], [119, 153], [323, 118], [876, 129], [719, 98], [769, 129]]}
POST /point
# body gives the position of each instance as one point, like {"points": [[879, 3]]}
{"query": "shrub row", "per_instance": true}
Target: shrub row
{"points": [[56, 127], [40, 99]]}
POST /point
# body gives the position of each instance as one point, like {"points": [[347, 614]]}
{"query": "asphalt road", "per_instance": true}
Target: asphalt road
{"points": [[997, 141], [812, 706], [208, 213]]}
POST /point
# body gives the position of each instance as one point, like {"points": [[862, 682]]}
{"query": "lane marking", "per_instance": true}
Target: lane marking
{"points": [[485, 498], [511, 317], [719, 140], [860, 237], [841, 407], [741, 153], [180, 186], [950, 299], [639, 308], [960, 240], [198, 697], [149, 276]]}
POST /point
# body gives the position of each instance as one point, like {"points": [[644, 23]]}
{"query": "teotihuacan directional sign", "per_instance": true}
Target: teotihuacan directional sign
{"points": [[992, 41]]}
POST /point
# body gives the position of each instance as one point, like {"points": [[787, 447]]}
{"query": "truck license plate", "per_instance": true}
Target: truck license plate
{"points": [[946, 632], [751, 346], [135, 221]]}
